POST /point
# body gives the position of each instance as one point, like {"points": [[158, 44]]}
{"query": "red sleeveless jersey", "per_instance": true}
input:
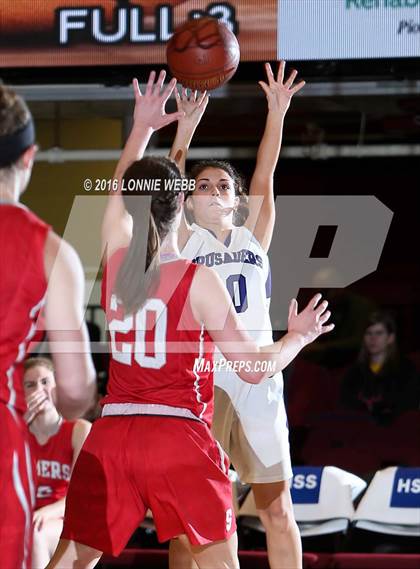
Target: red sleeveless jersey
{"points": [[154, 352], [22, 292], [53, 465]]}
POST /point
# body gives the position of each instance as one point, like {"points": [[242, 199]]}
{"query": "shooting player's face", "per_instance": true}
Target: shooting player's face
{"points": [[213, 199]]}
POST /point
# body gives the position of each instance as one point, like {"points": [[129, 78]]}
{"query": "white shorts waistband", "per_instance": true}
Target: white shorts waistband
{"points": [[147, 409]]}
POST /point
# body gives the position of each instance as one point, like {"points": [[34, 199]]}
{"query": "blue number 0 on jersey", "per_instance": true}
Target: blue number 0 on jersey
{"points": [[236, 285]]}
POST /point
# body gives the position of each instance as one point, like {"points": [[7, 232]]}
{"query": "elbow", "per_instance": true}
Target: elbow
{"points": [[74, 403], [254, 377], [255, 369]]}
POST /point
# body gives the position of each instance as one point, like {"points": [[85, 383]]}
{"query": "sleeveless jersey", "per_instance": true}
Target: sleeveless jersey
{"points": [[153, 352], [53, 465], [23, 286], [244, 268]]}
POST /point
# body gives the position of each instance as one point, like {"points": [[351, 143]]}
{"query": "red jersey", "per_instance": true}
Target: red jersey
{"points": [[53, 465], [154, 352], [23, 285]]}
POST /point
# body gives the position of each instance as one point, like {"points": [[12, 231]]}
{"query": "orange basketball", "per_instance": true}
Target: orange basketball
{"points": [[203, 54]]}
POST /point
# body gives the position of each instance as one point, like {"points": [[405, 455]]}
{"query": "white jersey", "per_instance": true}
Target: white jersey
{"points": [[244, 268]]}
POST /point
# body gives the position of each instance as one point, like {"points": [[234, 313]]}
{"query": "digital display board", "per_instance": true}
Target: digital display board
{"points": [[348, 29], [60, 33], [115, 32]]}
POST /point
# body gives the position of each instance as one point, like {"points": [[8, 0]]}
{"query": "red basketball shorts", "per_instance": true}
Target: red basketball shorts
{"points": [[17, 492], [130, 464]]}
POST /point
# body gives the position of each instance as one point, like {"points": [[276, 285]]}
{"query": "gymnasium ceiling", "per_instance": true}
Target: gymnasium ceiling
{"points": [[349, 105]]}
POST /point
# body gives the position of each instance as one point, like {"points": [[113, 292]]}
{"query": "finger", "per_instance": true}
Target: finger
{"points": [[324, 317], [193, 97], [178, 156], [293, 308], [167, 119], [177, 98], [159, 83], [314, 300], [34, 399], [297, 87], [29, 417], [280, 71], [202, 97], [205, 103], [184, 94], [37, 396], [291, 78], [168, 90], [150, 82], [328, 328], [35, 409], [270, 75], [38, 403], [136, 89], [321, 308], [264, 87]]}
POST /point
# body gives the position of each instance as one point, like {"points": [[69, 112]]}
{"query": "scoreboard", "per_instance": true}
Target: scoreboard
{"points": [[43, 33]]}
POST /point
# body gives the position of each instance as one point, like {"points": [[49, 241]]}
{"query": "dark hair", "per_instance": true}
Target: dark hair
{"points": [[241, 214], [133, 284], [388, 321], [14, 113]]}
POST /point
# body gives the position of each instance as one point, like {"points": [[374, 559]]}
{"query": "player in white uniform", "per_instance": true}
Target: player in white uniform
{"points": [[249, 421]]}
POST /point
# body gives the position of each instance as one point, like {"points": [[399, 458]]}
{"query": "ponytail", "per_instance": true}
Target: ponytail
{"points": [[134, 282], [139, 273]]}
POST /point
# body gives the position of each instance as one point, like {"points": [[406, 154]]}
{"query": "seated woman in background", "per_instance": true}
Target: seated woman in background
{"points": [[382, 382], [55, 445]]}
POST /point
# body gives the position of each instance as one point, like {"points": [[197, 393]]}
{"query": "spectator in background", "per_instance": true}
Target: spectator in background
{"points": [[351, 312], [382, 382], [55, 445]]}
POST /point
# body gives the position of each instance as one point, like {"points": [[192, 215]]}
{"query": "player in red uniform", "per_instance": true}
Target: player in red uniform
{"points": [[55, 445], [153, 447], [31, 256]]}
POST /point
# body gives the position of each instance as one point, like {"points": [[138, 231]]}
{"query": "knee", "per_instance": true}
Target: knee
{"points": [[278, 517]]}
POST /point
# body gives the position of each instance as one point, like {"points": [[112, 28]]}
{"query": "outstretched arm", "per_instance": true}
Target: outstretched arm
{"points": [[66, 330], [261, 211], [149, 116], [212, 305], [192, 106]]}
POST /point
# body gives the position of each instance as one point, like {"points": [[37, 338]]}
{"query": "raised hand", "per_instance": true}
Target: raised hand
{"points": [[193, 107], [279, 93], [149, 108], [311, 322], [36, 403]]}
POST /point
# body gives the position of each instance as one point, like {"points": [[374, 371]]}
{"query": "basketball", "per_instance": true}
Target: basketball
{"points": [[203, 54]]}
